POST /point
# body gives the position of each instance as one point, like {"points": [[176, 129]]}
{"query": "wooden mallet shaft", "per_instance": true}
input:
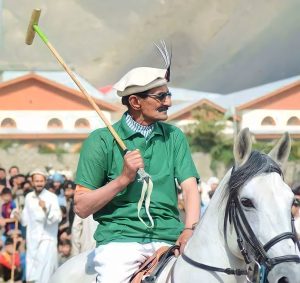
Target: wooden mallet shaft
{"points": [[34, 28]]}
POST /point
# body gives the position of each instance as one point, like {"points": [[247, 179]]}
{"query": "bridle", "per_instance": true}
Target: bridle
{"points": [[245, 234], [246, 237]]}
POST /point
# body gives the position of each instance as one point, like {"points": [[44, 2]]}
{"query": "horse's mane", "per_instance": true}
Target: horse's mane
{"points": [[257, 164]]}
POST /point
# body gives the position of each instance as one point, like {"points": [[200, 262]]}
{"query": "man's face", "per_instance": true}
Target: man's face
{"points": [[152, 109], [13, 171], [26, 187], [66, 250], [39, 182], [2, 174], [9, 248], [6, 198], [56, 185], [20, 180], [69, 193]]}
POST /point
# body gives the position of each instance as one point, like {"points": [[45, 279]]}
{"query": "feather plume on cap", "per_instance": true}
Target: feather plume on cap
{"points": [[163, 50], [144, 78]]}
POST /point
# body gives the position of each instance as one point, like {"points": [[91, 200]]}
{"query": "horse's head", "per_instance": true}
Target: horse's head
{"points": [[259, 210]]}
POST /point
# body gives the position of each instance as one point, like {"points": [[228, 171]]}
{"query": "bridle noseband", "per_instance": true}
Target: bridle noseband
{"points": [[245, 235]]}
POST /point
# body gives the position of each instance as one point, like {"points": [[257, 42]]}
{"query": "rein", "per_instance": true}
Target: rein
{"points": [[229, 271], [245, 234]]}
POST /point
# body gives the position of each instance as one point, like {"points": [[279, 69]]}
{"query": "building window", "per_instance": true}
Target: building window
{"points": [[293, 121], [8, 123], [82, 123], [268, 121], [55, 123]]}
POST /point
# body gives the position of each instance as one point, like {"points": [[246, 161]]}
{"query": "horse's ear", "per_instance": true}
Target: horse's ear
{"points": [[281, 151], [242, 147]]}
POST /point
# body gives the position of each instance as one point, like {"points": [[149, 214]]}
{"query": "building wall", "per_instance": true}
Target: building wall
{"points": [[253, 119], [37, 121]]}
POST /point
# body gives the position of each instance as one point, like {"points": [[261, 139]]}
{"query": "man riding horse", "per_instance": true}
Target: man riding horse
{"points": [[130, 228]]}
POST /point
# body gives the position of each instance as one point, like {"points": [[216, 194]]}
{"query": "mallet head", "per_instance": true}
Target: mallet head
{"points": [[34, 20]]}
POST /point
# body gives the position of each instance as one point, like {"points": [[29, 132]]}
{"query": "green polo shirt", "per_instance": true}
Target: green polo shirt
{"points": [[166, 156]]}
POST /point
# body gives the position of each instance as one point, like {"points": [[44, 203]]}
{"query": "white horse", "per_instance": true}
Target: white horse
{"points": [[247, 226]]}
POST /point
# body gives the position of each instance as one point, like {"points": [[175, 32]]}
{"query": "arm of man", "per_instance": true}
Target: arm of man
{"points": [[25, 213], [53, 212], [192, 210], [88, 201]]}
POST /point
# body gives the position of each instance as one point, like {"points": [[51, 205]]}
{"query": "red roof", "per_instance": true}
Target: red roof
{"points": [[105, 89]]}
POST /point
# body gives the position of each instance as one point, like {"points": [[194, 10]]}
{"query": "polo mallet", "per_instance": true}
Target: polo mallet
{"points": [[145, 177]]}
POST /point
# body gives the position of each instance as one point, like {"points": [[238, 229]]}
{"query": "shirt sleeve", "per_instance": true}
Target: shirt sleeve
{"points": [[91, 170], [53, 212], [25, 214], [183, 163]]}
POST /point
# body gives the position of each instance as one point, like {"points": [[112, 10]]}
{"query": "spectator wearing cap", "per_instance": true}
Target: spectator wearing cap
{"points": [[57, 186], [107, 181], [41, 216]]}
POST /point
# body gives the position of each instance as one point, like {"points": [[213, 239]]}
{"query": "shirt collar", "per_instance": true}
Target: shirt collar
{"points": [[125, 132], [138, 128]]}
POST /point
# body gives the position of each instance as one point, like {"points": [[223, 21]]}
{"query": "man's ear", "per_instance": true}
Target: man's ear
{"points": [[134, 102]]}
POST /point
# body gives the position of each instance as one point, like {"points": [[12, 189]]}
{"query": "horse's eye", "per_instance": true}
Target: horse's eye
{"points": [[247, 203]]}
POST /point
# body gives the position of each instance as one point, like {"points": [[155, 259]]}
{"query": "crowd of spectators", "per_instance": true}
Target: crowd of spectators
{"points": [[14, 186]]}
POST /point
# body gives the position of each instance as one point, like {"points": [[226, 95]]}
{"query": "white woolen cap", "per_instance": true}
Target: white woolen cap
{"points": [[139, 80], [39, 172]]}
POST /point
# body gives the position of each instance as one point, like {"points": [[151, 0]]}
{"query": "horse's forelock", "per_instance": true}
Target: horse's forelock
{"points": [[257, 164]]}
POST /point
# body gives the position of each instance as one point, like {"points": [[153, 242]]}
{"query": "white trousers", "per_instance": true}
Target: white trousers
{"points": [[117, 262], [41, 262]]}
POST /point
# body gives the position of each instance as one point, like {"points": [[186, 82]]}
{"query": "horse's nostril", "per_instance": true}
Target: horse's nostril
{"points": [[283, 280]]}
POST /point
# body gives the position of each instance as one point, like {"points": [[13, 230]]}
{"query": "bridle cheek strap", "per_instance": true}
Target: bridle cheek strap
{"points": [[260, 251]]}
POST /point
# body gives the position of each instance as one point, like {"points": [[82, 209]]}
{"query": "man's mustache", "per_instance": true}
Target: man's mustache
{"points": [[162, 109]]}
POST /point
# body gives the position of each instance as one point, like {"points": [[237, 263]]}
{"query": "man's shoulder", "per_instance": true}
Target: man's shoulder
{"points": [[103, 133], [49, 194], [30, 194], [170, 129]]}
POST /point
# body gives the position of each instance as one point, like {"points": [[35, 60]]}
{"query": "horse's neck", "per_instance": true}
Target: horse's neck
{"points": [[208, 244]]}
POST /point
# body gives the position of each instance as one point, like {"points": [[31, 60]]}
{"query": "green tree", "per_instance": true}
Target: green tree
{"points": [[207, 135]]}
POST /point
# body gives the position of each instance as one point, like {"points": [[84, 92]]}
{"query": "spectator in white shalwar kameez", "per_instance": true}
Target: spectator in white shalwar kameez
{"points": [[41, 216]]}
